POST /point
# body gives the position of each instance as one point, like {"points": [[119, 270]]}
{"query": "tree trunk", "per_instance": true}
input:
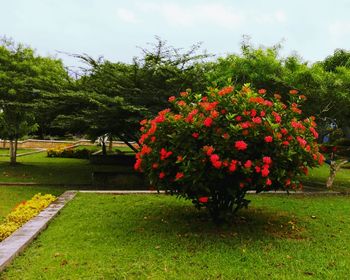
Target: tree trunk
{"points": [[110, 146], [104, 150], [13, 151], [334, 168]]}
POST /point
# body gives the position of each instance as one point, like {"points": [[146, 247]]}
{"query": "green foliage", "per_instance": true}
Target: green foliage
{"points": [[214, 147], [328, 93], [340, 58], [150, 79], [23, 77], [70, 153]]}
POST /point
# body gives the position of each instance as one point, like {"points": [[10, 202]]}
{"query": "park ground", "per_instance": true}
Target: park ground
{"points": [[277, 237]]}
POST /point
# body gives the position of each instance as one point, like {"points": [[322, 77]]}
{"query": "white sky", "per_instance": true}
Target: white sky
{"points": [[113, 28]]}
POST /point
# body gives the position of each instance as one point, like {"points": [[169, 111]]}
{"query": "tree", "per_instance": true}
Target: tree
{"points": [[95, 115], [23, 77], [147, 83]]}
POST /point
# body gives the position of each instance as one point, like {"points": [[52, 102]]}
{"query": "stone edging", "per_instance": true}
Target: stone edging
{"points": [[21, 238]]}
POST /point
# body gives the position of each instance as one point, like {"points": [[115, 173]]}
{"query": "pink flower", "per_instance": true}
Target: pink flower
{"points": [[137, 165], [284, 131], [225, 90], [181, 103], [179, 175], [159, 119], [302, 141], [203, 199], [184, 93], [214, 114], [268, 182], [262, 91], [256, 120], [245, 125], [241, 145], [164, 154], [208, 122], [208, 150], [233, 165], [195, 135], [265, 172], [267, 160], [155, 165], [226, 136], [248, 164], [268, 139], [171, 99], [217, 164], [214, 157]]}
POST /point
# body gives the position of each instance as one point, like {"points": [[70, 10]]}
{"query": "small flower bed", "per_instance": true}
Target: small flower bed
{"points": [[214, 147], [23, 212], [70, 153]]}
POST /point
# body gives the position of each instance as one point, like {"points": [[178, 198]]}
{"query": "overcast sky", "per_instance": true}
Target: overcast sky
{"points": [[114, 28]]}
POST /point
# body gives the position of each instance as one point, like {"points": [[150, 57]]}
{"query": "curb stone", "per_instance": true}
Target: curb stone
{"points": [[21, 238]]}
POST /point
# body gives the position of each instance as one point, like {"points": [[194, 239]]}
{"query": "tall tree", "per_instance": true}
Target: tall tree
{"points": [[23, 77]]}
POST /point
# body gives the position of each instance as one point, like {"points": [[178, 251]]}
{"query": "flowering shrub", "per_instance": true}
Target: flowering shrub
{"points": [[23, 213], [212, 148]]}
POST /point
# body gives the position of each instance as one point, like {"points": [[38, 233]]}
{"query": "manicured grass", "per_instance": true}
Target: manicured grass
{"points": [[39, 168], [6, 152], [88, 147], [10, 196], [161, 237], [318, 177]]}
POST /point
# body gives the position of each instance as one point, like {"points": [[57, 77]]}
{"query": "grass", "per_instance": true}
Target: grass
{"points": [[6, 152], [38, 168], [318, 177], [161, 237], [11, 196]]}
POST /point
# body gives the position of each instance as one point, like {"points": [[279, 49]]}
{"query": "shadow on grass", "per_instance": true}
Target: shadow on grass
{"points": [[251, 223]]}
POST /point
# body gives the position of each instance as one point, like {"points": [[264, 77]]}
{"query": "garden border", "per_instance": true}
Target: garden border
{"points": [[21, 238]]}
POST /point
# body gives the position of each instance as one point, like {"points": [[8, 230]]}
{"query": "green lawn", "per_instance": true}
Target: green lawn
{"points": [[13, 195], [6, 152], [39, 168], [318, 177], [159, 237]]}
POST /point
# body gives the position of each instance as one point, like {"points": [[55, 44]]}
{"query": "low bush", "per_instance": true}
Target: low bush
{"points": [[23, 213], [70, 153]]}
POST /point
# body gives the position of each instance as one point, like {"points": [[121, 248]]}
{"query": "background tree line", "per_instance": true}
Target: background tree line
{"points": [[38, 97]]}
